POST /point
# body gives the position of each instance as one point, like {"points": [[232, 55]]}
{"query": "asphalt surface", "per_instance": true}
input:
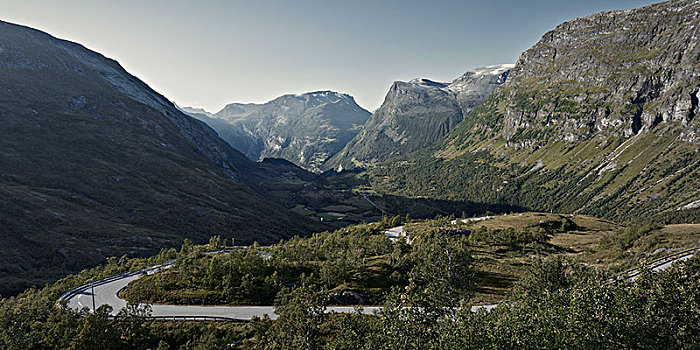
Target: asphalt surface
{"points": [[106, 293], [397, 232], [661, 266]]}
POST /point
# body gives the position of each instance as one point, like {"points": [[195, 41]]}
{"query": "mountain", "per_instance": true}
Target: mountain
{"points": [[305, 129], [598, 117], [194, 110], [94, 163], [416, 114]]}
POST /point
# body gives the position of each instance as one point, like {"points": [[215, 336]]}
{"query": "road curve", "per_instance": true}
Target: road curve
{"points": [[397, 232], [657, 265], [106, 293]]}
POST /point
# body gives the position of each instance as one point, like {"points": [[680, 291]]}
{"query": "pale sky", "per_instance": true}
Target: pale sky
{"points": [[209, 53]]}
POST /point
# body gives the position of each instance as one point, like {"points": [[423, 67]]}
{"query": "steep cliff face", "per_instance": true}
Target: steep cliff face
{"points": [[304, 129], [600, 116], [614, 73], [416, 114], [94, 163]]}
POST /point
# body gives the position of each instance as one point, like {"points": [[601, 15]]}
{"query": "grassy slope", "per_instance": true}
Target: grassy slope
{"points": [[556, 136], [647, 176]]}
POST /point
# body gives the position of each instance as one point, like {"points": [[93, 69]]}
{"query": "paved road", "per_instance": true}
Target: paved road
{"points": [[106, 294], [397, 232], [662, 264], [668, 264], [480, 218]]}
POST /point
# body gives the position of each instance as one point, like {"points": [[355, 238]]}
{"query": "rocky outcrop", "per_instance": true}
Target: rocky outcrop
{"points": [[614, 73]]}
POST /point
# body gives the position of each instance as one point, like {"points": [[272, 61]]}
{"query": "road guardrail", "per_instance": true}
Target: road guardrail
{"points": [[631, 273]]}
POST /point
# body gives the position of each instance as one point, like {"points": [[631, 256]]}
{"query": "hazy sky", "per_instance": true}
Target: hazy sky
{"points": [[210, 53]]}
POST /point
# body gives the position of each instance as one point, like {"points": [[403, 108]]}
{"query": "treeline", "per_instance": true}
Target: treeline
{"points": [[425, 289], [358, 259], [561, 189], [558, 306]]}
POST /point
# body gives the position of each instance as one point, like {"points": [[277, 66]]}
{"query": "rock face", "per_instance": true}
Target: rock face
{"points": [[416, 114], [304, 129], [614, 73], [599, 117], [94, 163]]}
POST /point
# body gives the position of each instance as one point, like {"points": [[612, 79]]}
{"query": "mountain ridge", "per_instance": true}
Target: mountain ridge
{"points": [[598, 117], [305, 129], [415, 114], [94, 163]]}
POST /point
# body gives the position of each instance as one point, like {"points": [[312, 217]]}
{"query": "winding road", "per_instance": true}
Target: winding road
{"points": [[105, 292]]}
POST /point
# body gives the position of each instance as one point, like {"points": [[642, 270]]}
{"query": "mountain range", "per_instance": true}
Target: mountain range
{"points": [[416, 114], [305, 129], [94, 163], [325, 130], [598, 117]]}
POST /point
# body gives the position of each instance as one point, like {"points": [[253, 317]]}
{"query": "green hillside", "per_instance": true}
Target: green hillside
{"points": [[599, 117], [551, 268]]}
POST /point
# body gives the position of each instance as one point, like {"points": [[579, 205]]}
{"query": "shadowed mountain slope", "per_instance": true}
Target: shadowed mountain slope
{"points": [[93, 163]]}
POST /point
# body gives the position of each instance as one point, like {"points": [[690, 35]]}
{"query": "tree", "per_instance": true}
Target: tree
{"points": [[97, 331], [216, 242], [441, 274], [301, 311]]}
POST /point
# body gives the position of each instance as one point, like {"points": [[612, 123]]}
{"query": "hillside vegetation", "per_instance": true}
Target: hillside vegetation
{"points": [[559, 300], [358, 265], [599, 117]]}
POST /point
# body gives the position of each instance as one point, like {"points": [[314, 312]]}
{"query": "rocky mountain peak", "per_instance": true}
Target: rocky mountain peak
{"points": [[428, 83], [415, 114], [317, 98], [305, 129], [598, 117], [195, 110], [494, 74]]}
